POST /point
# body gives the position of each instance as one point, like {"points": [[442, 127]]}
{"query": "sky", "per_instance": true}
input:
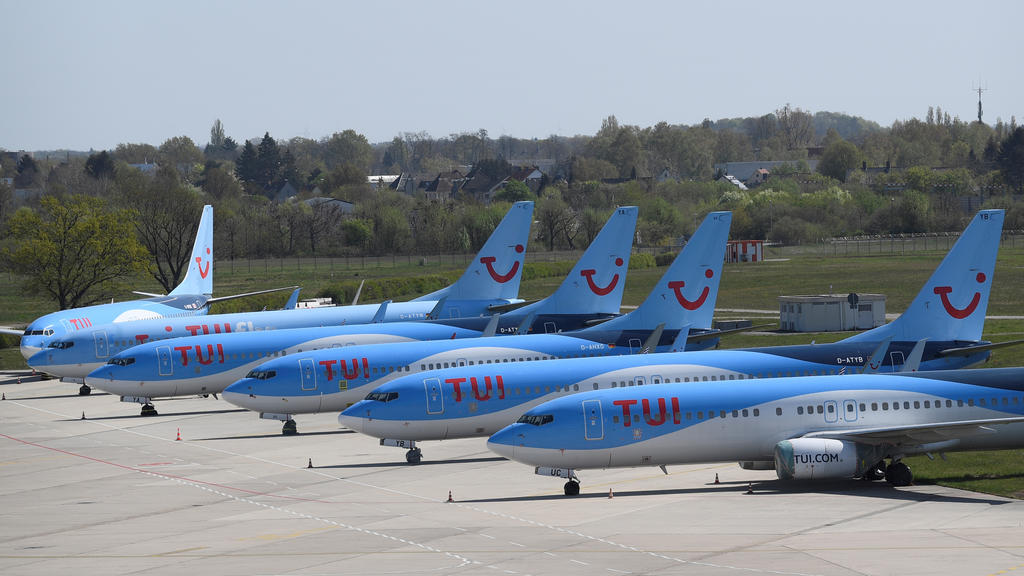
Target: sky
{"points": [[90, 75]]}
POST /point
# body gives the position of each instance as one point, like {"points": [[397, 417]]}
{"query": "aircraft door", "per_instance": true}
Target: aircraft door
{"points": [[639, 381], [163, 360], [897, 359], [593, 423], [550, 328], [635, 344], [849, 410], [101, 344], [831, 411], [435, 399], [306, 374], [460, 362]]}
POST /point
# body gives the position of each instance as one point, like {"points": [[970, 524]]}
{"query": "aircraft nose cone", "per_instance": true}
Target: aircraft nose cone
{"points": [[29, 350], [99, 376], [502, 442], [349, 419], [244, 394]]}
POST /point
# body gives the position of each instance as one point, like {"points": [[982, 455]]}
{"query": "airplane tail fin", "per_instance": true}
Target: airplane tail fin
{"points": [[952, 304], [199, 275], [687, 291], [497, 270], [596, 283]]}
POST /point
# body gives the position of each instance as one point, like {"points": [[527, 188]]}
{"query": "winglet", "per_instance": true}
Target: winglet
{"points": [[651, 344], [199, 274], [355, 299], [524, 326], [679, 344], [913, 361], [877, 358], [293, 300], [492, 326], [379, 316]]}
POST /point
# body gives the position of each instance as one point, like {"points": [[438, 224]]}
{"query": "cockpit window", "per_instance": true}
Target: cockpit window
{"points": [[121, 361], [261, 374], [535, 419], [62, 344], [382, 396], [48, 332]]}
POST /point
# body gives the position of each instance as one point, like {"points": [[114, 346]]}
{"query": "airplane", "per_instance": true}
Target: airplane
{"points": [[329, 380], [491, 279], [807, 428], [152, 370], [191, 297], [948, 314]]}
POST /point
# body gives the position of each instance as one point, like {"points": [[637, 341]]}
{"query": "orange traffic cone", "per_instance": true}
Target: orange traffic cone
{"points": [[750, 487], [4, 397], [450, 496], [83, 415], [716, 477], [179, 435], [610, 494], [310, 465]]}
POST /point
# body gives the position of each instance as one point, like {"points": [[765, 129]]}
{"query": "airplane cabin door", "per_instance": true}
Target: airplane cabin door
{"points": [[593, 423], [849, 410], [306, 374], [435, 400], [102, 351], [550, 328], [897, 359], [163, 360], [635, 344], [831, 410]]}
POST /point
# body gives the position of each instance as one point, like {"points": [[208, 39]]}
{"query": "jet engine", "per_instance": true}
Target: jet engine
{"points": [[822, 458]]}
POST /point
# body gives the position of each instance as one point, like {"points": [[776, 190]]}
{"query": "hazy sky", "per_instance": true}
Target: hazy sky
{"points": [[91, 74]]}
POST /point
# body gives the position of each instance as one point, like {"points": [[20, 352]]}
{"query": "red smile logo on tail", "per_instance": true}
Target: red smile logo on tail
{"points": [[489, 261], [691, 304], [589, 275], [199, 264], [959, 313]]}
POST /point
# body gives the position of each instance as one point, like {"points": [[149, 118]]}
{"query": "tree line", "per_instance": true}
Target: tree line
{"points": [[918, 175]]}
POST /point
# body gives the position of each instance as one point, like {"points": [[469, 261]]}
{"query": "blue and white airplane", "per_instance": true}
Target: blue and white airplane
{"points": [[162, 369], [492, 279], [191, 297], [948, 312], [331, 380], [810, 428]]}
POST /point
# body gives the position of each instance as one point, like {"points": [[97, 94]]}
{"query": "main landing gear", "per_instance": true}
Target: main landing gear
{"points": [[896, 473], [289, 428]]}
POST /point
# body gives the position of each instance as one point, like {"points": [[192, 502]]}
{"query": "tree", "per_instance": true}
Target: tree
{"points": [[168, 215], [217, 137], [513, 191], [135, 153], [77, 251], [796, 126], [100, 165], [555, 218], [28, 172], [348, 147], [839, 158], [1010, 159], [268, 163], [247, 167]]}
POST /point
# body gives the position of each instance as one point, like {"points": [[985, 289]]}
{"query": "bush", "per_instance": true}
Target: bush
{"points": [[641, 260], [665, 258], [535, 270]]}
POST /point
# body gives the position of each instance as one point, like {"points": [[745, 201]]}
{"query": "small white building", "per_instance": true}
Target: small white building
{"points": [[831, 313]]}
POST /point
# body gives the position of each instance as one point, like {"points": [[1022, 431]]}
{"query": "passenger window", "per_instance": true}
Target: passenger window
{"points": [[927, 404], [689, 415], [821, 409], [906, 405], [745, 413], [863, 408], [700, 415], [885, 405], [595, 385], [778, 411], [895, 405], [636, 418], [874, 406], [800, 410], [735, 414], [615, 419], [917, 405], [721, 413], [831, 409]]}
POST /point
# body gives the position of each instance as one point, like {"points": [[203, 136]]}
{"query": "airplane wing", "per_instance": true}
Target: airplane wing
{"points": [[968, 350], [12, 331], [916, 433], [717, 333], [503, 308], [913, 361], [257, 293], [148, 294], [652, 341], [876, 358]]}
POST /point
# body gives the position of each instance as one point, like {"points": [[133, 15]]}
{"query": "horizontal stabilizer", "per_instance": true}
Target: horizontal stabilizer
{"points": [[652, 341], [524, 326], [679, 344], [877, 358], [913, 362], [148, 294], [968, 350]]}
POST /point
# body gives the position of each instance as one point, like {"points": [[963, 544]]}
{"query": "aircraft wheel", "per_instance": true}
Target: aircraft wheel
{"points": [[84, 390], [289, 428], [899, 474], [413, 456], [876, 472], [148, 410], [572, 488]]}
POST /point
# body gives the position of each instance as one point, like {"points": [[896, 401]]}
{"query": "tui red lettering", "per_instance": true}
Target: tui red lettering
{"points": [[329, 366], [455, 383], [661, 412], [625, 410], [184, 354]]}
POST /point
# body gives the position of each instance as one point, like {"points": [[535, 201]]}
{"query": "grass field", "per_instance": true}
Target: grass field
{"points": [[744, 286]]}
